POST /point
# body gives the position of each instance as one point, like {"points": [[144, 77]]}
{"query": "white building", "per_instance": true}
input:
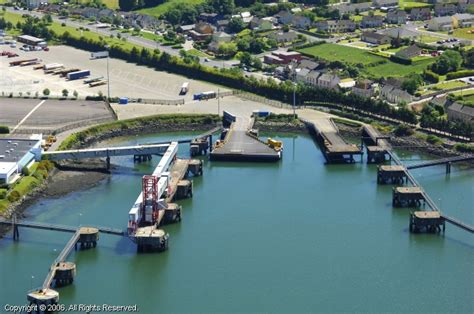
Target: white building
{"points": [[15, 154]]}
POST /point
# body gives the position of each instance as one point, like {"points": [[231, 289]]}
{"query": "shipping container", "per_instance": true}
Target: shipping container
{"points": [[52, 66], [204, 95], [78, 75], [99, 55]]}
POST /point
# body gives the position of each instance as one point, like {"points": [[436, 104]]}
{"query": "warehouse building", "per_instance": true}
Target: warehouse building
{"points": [[15, 154]]}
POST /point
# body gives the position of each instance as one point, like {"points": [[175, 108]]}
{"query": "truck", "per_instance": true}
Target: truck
{"points": [[52, 66], [184, 88], [78, 75], [94, 79], [18, 62], [98, 83], [204, 95], [99, 54], [65, 72]]}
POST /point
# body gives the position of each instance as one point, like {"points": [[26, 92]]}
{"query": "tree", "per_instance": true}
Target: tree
{"points": [[48, 19], [222, 6], [412, 84], [227, 50], [128, 5], [469, 58], [236, 24], [245, 58], [65, 92], [46, 92], [449, 61], [76, 94]]}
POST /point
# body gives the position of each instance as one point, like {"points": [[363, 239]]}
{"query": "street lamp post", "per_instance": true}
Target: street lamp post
{"points": [[108, 76], [218, 102], [294, 100]]}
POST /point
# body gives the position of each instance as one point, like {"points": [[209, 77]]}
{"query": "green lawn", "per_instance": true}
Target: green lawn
{"points": [[396, 69], [334, 52], [464, 33], [198, 53], [464, 94], [151, 36], [449, 85], [162, 8], [404, 4], [428, 39]]}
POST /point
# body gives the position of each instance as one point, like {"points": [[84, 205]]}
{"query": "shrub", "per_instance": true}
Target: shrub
{"points": [[403, 130], [4, 129], [465, 148], [25, 171], [458, 74], [13, 196], [433, 139], [46, 92], [3, 193], [430, 76]]}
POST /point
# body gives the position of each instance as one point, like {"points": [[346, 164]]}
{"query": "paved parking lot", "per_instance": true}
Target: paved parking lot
{"points": [[126, 79], [26, 114]]}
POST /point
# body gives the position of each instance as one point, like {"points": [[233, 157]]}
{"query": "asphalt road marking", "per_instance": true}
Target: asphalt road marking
{"points": [[28, 115]]}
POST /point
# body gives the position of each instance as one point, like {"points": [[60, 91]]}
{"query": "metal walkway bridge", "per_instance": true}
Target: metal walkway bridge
{"points": [[151, 149], [56, 227], [441, 161], [373, 134]]}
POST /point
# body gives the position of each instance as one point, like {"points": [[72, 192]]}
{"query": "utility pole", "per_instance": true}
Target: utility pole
{"points": [[218, 102], [108, 76], [294, 100]]}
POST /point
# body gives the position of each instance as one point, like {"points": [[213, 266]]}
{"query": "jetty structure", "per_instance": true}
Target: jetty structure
{"points": [[153, 206], [61, 272], [334, 147], [240, 142], [412, 194]]}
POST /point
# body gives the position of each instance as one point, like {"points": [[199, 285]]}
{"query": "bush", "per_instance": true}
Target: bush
{"points": [[3, 193], [46, 92], [403, 130], [4, 129], [430, 76], [464, 148], [13, 196], [25, 171], [459, 74], [433, 139]]}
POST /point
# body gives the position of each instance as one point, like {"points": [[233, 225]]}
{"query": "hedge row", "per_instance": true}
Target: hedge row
{"points": [[459, 74]]}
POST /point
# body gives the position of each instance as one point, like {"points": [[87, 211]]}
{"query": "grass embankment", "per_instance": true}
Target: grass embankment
{"points": [[33, 177], [406, 4], [172, 121], [59, 30], [374, 66], [164, 7]]}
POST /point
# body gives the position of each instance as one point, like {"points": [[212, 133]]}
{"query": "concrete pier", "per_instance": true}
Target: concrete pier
{"points": [[65, 273], [377, 154], [88, 237], [391, 174], [334, 147], [426, 221], [41, 297], [151, 239], [239, 145], [184, 189], [407, 196]]}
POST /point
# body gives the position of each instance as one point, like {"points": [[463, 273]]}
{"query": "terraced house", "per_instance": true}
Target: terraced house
{"points": [[336, 26]]}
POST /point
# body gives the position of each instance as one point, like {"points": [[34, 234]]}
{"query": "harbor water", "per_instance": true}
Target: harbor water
{"points": [[288, 237]]}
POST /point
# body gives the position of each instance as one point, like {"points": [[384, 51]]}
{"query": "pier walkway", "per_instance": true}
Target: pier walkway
{"points": [[335, 148], [442, 161], [380, 140], [106, 152], [239, 145], [56, 227]]}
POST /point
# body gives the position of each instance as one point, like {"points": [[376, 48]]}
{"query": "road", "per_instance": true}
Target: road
{"points": [[420, 30]]}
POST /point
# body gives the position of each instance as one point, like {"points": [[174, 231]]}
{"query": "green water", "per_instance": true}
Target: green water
{"points": [[295, 236]]}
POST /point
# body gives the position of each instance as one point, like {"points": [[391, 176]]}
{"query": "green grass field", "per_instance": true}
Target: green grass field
{"points": [[162, 8], [334, 52], [464, 33], [404, 4], [449, 85], [197, 53]]}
